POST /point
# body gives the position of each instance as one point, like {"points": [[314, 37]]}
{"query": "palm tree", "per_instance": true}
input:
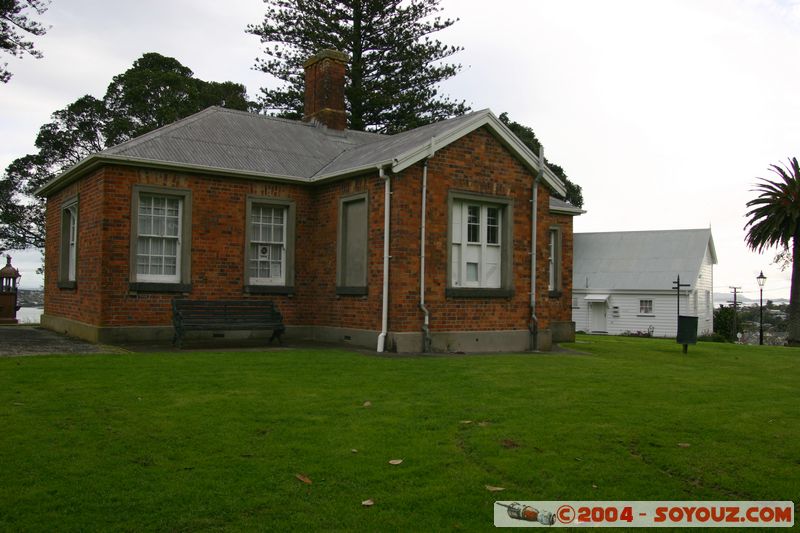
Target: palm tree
{"points": [[774, 219]]}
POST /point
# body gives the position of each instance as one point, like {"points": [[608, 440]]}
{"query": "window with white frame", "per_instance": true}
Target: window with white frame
{"points": [[158, 238], [69, 244], [645, 307], [267, 246], [554, 260], [477, 242]]}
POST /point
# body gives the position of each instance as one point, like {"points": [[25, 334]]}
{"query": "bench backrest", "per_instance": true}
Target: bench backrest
{"points": [[226, 311]]}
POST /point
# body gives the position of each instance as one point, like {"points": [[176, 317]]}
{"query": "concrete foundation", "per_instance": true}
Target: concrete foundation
{"points": [[397, 342]]}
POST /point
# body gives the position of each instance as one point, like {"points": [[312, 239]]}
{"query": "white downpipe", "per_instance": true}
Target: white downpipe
{"points": [[426, 314], [534, 326], [387, 203]]}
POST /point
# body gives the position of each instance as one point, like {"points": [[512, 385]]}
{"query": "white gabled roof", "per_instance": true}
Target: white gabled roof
{"points": [[640, 260]]}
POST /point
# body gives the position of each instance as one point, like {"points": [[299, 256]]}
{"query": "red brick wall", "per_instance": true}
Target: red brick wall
{"points": [[218, 248], [477, 163], [83, 302], [318, 303]]}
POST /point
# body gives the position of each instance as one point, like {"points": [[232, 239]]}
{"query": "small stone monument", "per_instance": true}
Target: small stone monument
{"points": [[8, 293]]}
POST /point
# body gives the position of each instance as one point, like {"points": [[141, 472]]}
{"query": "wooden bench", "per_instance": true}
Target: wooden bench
{"points": [[225, 315]]}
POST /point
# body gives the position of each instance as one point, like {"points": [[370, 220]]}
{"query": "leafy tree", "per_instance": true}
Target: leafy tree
{"points": [[774, 220], [725, 323], [156, 91], [528, 137], [395, 65], [14, 25]]}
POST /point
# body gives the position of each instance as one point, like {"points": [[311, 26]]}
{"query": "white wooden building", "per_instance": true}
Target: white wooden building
{"points": [[622, 281]]}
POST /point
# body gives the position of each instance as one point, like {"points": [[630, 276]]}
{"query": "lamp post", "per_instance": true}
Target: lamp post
{"points": [[761, 279]]}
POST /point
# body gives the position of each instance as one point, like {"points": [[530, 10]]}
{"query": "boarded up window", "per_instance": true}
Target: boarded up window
{"points": [[352, 264]]}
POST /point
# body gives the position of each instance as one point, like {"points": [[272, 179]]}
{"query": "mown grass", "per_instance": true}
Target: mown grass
{"points": [[212, 441]]}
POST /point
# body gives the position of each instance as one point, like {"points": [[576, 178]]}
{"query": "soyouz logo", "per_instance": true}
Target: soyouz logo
{"points": [[644, 514]]}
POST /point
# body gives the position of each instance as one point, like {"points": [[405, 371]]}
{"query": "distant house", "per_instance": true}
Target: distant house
{"points": [[623, 280], [441, 238]]}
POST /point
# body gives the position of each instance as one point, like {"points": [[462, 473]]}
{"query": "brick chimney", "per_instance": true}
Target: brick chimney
{"points": [[325, 89]]}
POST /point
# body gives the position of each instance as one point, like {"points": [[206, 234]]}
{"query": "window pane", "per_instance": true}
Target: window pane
{"points": [[473, 223], [145, 225], [169, 266], [172, 227], [492, 225], [277, 233], [472, 271], [142, 264], [158, 225]]}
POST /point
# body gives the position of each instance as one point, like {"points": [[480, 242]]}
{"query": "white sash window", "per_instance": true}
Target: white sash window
{"points": [[267, 246], [476, 252], [158, 242]]}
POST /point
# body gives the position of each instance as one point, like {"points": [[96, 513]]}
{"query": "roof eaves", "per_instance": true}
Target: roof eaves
{"points": [[350, 171], [574, 211], [712, 248], [426, 149], [507, 137], [95, 160]]}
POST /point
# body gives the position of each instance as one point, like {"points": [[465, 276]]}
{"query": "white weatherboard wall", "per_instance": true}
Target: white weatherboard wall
{"points": [[614, 272], [623, 316]]}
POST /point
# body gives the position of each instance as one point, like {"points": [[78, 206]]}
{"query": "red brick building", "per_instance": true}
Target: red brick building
{"points": [[411, 242]]}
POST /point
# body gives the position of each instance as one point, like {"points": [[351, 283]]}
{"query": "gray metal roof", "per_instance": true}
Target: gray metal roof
{"points": [[236, 143], [235, 140], [639, 260], [395, 146]]}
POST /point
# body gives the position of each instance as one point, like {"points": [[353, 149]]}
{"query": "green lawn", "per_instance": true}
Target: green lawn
{"points": [[205, 441]]}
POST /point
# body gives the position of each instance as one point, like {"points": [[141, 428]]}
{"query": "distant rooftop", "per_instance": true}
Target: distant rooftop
{"points": [[630, 260]]}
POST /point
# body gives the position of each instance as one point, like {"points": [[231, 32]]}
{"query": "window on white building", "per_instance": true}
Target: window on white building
{"points": [[645, 307]]}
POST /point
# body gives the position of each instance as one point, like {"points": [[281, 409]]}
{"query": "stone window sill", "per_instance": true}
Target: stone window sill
{"points": [[159, 287], [351, 291], [470, 292], [268, 289]]}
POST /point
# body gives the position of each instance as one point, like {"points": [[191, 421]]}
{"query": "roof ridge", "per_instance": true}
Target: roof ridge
{"points": [[293, 122], [639, 231]]}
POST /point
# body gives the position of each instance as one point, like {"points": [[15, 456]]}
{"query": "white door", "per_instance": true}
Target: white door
{"points": [[598, 316]]}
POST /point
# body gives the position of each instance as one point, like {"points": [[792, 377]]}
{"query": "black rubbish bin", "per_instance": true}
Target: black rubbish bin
{"points": [[687, 330]]}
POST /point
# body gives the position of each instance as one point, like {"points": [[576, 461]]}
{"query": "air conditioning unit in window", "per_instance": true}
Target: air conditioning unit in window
{"points": [[263, 252]]}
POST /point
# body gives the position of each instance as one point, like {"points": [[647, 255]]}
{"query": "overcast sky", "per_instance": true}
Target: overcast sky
{"points": [[665, 112]]}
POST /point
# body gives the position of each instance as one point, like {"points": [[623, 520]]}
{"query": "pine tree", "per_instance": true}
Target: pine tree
{"points": [[395, 65], [15, 27]]}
